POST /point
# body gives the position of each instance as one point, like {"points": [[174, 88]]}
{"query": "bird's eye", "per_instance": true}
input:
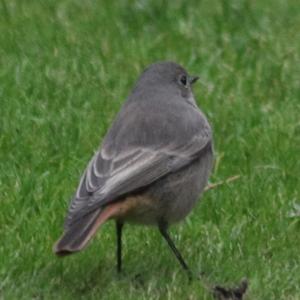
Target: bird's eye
{"points": [[183, 80]]}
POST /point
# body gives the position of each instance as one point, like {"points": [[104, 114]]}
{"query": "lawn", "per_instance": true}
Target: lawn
{"points": [[65, 69]]}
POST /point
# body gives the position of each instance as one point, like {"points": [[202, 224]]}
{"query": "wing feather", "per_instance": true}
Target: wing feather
{"points": [[105, 180]]}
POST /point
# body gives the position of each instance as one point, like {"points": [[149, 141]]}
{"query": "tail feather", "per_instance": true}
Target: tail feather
{"points": [[78, 235]]}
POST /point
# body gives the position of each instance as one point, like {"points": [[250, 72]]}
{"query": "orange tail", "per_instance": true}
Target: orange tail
{"points": [[78, 236]]}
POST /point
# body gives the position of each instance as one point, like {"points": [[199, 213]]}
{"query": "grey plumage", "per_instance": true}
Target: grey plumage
{"points": [[159, 147]]}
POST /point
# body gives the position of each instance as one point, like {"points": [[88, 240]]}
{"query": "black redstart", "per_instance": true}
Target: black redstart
{"points": [[152, 166]]}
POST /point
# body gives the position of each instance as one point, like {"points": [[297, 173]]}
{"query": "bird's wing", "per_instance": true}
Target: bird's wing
{"points": [[108, 179]]}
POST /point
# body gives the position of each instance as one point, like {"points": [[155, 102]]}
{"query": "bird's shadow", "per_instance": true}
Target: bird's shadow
{"points": [[102, 275]]}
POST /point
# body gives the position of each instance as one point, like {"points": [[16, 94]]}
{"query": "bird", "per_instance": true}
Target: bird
{"points": [[152, 166]]}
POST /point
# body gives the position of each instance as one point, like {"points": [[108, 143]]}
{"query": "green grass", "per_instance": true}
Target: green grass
{"points": [[65, 68]]}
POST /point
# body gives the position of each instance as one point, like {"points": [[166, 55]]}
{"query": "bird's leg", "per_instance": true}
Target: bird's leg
{"points": [[163, 228], [119, 226]]}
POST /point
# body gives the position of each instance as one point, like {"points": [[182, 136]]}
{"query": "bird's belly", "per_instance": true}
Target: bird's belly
{"points": [[169, 199], [183, 189]]}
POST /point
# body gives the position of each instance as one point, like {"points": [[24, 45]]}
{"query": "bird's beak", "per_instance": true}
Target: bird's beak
{"points": [[193, 79]]}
